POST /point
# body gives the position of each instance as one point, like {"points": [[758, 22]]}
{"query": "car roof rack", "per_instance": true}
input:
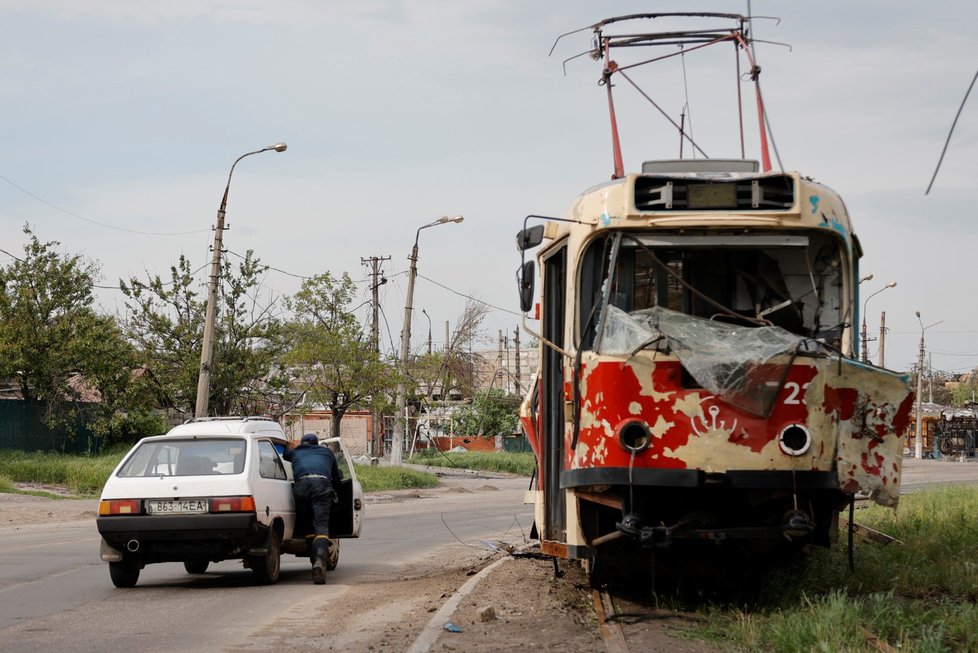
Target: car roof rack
{"points": [[231, 418]]}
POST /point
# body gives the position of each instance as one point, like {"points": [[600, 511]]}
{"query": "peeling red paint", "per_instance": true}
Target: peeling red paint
{"points": [[902, 418], [872, 469], [851, 486], [620, 392], [840, 401]]}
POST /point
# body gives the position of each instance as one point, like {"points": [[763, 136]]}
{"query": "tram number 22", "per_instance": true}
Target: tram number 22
{"points": [[796, 392]]}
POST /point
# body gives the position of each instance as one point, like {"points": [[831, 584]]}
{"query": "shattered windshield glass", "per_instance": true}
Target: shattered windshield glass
{"points": [[744, 366]]}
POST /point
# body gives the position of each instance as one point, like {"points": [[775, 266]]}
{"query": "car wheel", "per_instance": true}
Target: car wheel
{"points": [[196, 566], [266, 567], [123, 575], [334, 555]]}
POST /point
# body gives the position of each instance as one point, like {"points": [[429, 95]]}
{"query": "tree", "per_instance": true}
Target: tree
{"points": [[492, 412], [331, 357], [55, 347], [455, 367], [129, 394], [166, 321], [966, 390]]}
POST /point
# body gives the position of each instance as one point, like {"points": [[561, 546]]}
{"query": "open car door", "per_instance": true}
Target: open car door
{"points": [[346, 516]]}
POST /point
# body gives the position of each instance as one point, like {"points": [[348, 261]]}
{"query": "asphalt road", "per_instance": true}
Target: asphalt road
{"points": [[55, 592]]}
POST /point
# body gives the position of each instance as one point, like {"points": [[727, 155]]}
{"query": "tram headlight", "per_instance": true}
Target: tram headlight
{"points": [[794, 440], [634, 435]]}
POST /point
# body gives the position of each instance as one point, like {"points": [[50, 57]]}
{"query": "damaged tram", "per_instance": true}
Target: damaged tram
{"points": [[698, 383]]}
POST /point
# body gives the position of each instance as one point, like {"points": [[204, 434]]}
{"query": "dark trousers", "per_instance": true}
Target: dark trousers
{"points": [[313, 501]]}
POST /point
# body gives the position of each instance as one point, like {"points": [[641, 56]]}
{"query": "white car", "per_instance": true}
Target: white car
{"points": [[214, 489]]}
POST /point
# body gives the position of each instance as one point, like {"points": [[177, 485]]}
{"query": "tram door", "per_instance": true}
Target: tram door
{"points": [[552, 379]]}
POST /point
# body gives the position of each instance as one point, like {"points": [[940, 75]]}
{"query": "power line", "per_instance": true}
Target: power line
{"points": [[271, 267], [96, 222], [13, 256], [475, 299]]}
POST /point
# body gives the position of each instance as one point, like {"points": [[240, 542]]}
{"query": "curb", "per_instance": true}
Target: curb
{"points": [[430, 634]]}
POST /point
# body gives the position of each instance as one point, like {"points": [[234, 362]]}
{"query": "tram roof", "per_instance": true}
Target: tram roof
{"points": [[712, 199]]}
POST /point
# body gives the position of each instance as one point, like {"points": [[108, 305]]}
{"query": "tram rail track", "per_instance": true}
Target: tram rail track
{"points": [[626, 624]]}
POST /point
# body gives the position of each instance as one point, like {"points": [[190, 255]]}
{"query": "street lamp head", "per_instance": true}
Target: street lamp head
{"points": [[278, 147], [918, 314], [892, 284], [868, 277], [444, 219]]}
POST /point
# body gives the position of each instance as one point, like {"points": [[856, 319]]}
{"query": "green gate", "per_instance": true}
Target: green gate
{"points": [[22, 428]]}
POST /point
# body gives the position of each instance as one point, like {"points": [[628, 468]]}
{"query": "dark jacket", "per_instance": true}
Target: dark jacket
{"points": [[314, 459]]}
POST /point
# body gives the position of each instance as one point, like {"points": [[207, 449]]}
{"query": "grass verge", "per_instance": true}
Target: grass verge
{"points": [[85, 475], [920, 596], [497, 461], [375, 478], [82, 475]]}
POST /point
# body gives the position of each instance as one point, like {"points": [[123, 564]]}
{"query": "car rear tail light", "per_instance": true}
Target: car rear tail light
{"points": [[120, 507], [233, 504]]}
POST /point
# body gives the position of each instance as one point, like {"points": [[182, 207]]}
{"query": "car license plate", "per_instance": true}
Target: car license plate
{"points": [[176, 506]]}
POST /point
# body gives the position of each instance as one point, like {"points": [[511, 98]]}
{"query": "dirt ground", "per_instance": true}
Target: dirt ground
{"points": [[531, 608]]}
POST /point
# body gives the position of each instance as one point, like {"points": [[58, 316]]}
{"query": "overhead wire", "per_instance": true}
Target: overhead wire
{"points": [[686, 109], [953, 125], [475, 299], [96, 222]]}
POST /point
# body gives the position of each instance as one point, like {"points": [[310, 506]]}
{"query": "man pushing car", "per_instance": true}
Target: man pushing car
{"points": [[316, 474]]}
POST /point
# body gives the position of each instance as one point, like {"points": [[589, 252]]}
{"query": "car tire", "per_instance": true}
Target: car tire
{"points": [[123, 575], [334, 555], [196, 566], [266, 568]]}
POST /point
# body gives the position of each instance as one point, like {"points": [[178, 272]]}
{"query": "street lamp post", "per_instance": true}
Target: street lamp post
{"points": [[865, 338], [429, 329], [919, 444], [207, 347], [397, 440]]}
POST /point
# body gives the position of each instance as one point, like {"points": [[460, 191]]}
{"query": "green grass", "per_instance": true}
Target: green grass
{"points": [[920, 596], [376, 478], [498, 461], [82, 475], [85, 475]]}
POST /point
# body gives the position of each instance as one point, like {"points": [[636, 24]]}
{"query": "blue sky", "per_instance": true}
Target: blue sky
{"points": [[130, 113]]}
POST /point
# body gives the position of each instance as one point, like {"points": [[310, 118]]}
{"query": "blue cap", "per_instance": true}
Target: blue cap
{"points": [[309, 438]]}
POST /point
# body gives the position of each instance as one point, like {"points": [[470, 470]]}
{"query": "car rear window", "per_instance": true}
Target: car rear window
{"points": [[190, 457]]}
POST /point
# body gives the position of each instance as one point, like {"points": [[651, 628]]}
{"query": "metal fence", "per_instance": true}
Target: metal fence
{"points": [[22, 428]]}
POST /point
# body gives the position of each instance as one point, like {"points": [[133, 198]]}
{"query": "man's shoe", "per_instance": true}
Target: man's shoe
{"points": [[319, 574]]}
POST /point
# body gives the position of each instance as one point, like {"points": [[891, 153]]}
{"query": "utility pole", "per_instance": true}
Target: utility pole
{"points": [[519, 378], [397, 438], [882, 336], [918, 442], [930, 377], [207, 345], [919, 449], [376, 423], [864, 341], [499, 362]]}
